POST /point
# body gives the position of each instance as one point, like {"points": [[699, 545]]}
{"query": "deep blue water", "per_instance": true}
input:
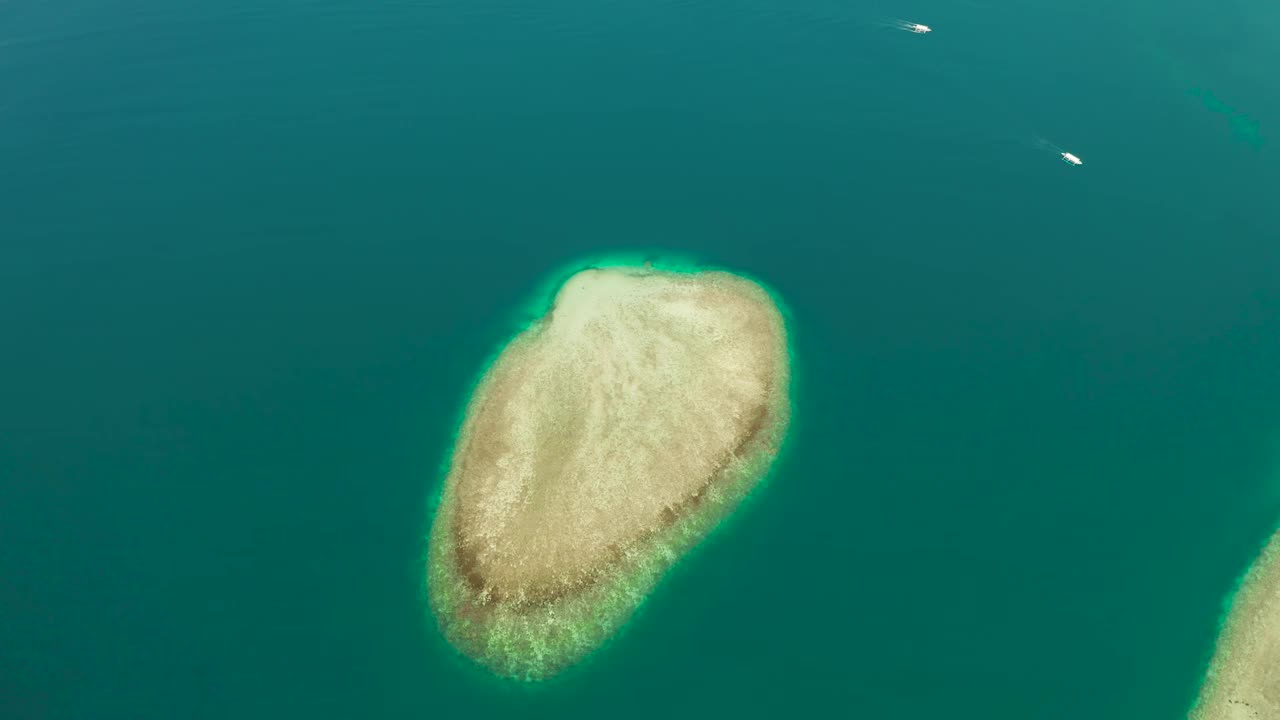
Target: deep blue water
{"points": [[252, 255]]}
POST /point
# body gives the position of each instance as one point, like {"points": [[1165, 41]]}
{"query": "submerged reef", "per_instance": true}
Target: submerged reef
{"points": [[604, 442]]}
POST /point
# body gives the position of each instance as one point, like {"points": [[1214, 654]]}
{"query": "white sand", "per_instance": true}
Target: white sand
{"points": [[609, 420], [1244, 677]]}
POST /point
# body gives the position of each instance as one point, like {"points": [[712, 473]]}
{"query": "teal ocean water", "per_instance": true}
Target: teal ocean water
{"points": [[252, 255]]}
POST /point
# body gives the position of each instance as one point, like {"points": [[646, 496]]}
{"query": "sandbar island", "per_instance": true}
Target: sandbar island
{"points": [[1243, 682], [604, 442]]}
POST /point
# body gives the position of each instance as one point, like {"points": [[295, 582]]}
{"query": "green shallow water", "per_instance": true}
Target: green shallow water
{"points": [[252, 257]]}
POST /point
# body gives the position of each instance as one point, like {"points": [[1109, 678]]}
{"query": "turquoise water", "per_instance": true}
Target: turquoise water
{"points": [[251, 256]]}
